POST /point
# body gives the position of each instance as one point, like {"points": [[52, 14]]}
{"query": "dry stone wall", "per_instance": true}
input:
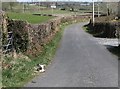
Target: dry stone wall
{"points": [[1, 25], [3, 29], [117, 26], [20, 34], [1, 20], [30, 38], [104, 27]]}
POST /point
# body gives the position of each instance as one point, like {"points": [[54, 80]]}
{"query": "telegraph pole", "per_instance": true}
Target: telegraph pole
{"points": [[93, 13], [1, 5], [98, 10], [108, 12]]}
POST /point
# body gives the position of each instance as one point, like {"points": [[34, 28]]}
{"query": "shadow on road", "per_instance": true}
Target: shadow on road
{"points": [[114, 49]]}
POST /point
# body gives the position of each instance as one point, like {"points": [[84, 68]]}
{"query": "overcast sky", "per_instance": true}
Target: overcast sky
{"points": [[60, 0], [72, 0]]}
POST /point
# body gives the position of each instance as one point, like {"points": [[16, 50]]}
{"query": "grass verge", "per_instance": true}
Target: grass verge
{"points": [[22, 70]]}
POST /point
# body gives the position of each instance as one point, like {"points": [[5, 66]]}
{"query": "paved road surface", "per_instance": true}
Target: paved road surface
{"points": [[80, 61]]}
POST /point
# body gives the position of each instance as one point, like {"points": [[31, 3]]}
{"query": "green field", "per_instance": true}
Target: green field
{"points": [[29, 17]]}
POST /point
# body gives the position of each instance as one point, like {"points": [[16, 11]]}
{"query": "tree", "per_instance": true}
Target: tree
{"points": [[8, 5]]}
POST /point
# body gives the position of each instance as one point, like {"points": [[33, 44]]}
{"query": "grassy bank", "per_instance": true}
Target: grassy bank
{"points": [[34, 19]]}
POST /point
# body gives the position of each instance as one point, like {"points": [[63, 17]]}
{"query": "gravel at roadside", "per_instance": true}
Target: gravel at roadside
{"points": [[107, 41]]}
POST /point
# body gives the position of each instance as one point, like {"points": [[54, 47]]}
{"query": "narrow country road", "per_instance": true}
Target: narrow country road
{"points": [[80, 61]]}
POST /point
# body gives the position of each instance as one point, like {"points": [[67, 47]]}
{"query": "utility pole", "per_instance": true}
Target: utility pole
{"points": [[1, 5], [108, 11], [98, 10], [23, 7], [93, 13]]}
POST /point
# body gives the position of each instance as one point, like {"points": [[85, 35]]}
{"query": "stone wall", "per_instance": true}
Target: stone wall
{"points": [[104, 27], [20, 34], [3, 29], [1, 20], [30, 38], [3, 26], [117, 25]]}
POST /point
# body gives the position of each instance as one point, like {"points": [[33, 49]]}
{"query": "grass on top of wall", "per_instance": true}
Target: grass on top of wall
{"points": [[34, 19]]}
